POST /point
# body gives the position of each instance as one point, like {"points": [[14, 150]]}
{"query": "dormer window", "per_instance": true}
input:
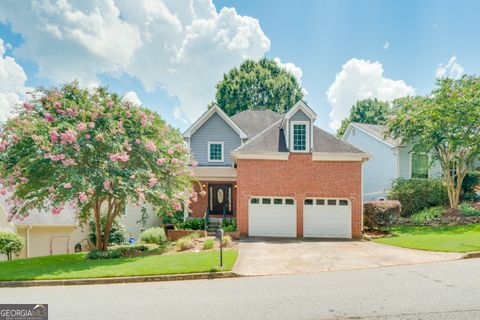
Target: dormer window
{"points": [[300, 136]]}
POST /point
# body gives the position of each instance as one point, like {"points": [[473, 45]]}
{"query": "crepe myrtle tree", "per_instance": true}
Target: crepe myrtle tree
{"points": [[447, 124], [89, 149]]}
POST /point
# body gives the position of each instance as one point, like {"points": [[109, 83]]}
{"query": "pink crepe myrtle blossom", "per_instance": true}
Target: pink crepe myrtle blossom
{"points": [[69, 136], [57, 105], [161, 161], [127, 146], [138, 141], [67, 185], [28, 106], [170, 151], [55, 157], [88, 137], [174, 161], [163, 196], [51, 189], [107, 185], [76, 146], [128, 114], [48, 116], [82, 197], [53, 136], [81, 126], [100, 137], [109, 103], [176, 205], [68, 162], [194, 163], [57, 210], [150, 146], [120, 156], [91, 125], [23, 180], [120, 124], [3, 145], [152, 182]]}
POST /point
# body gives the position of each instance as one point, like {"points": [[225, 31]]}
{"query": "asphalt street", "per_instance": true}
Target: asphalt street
{"points": [[442, 290]]}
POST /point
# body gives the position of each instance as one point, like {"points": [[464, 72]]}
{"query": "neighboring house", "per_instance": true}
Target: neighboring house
{"points": [[277, 174], [390, 159], [47, 234]]}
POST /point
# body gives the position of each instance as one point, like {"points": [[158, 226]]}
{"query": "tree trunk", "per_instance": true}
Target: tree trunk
{"points": [[98, 226], [112, 211]]}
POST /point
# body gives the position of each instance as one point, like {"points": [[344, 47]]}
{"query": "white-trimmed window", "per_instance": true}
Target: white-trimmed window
{"points": [[419, 165], [215, 152], [300, 136]]}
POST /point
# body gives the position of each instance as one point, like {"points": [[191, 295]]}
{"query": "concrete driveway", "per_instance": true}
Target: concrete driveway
{"points": [[279, 256]]}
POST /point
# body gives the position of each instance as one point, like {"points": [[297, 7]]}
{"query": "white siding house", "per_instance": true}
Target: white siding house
{"points": [[390, 159]]}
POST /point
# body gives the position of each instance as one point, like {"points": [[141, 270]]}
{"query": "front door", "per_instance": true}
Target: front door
{"points": [[220, 198]]}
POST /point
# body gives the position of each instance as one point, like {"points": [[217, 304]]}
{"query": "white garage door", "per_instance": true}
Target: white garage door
{"points": [[272, 217], [327, 218]]}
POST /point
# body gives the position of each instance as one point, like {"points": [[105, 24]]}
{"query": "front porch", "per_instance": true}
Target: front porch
{"points": [[216, 200]]}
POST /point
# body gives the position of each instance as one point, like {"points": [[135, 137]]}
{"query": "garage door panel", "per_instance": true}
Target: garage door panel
{"points": [[273, 220], [327, 219]]}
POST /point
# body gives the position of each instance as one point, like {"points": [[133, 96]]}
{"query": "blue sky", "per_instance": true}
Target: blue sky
{"points": [[335, 44]]}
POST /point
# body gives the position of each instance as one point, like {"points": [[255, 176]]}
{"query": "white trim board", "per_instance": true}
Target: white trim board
{"points": [[214, 109]]}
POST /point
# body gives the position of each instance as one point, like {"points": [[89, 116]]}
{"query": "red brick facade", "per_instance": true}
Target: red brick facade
{"points": [[198, 208], [299, 177]]}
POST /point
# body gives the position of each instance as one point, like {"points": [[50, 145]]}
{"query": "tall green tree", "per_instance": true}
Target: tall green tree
{"points": [[445, 123], [89, 149], [370, 111], [257, 85]]}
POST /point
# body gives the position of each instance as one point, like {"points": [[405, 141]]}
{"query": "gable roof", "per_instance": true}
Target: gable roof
{"points": [[252, 122], [214, 109], [272, 139], [376, 131], [300, 105]]}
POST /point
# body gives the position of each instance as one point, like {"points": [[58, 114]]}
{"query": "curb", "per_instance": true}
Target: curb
{"points": [[471, 255], [88, 281]]}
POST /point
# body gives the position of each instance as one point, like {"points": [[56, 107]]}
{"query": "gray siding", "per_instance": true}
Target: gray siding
{"points": [[380, 170], [215, 129], [298, 116]]}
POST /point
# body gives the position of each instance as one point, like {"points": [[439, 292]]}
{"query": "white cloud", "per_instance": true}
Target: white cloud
{"points": [[293, 69], [451, 70], [361, 79], [132, 97], [181, 46], [386, 45], [177, 114], [12, 83]]}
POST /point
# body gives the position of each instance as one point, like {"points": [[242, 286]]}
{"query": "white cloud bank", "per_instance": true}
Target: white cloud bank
{"points": [[361, 79], [451, 70], [132, 97], [12, 83], [293, 69], [181, 46]]}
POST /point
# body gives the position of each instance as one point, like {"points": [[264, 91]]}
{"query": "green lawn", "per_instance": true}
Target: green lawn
{"points": [[447, 239], [75, 266]]}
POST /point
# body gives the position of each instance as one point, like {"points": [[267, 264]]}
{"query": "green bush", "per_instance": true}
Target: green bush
{"points": [[193, 224], [123, 251], [185, 243], [226, 241], [470, 182], [229, 225], [381, 214], [154, 235], [10, 243], [208, 244], [418, 194], [118, 234], [426, 215], [176, 219], [468, 210]]}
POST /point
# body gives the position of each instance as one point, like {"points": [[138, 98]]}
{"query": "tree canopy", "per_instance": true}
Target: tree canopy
{"points": [[445, 123], [92, 151], [257, 85], [370, 111]]}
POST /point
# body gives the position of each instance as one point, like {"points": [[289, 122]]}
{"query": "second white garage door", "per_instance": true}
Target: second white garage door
{"points": [[272, 217], [327, 218]]}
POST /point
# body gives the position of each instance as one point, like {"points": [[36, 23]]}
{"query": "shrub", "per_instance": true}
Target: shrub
{"points": [[229, 225], [124, 251], [470, 183], [176, 219], [468, 210], [380, 214], [227, 241], [426, 215], [117, 235], [208, 244], [418, 194], [154, 235], [193, 224], [10, 243], [185, 243]]}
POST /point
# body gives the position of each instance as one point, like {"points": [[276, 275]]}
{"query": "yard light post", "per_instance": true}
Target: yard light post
{"points": [[219, 236]]}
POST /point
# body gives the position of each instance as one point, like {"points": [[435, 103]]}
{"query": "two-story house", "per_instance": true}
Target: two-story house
{"points": [[277, 174]]}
